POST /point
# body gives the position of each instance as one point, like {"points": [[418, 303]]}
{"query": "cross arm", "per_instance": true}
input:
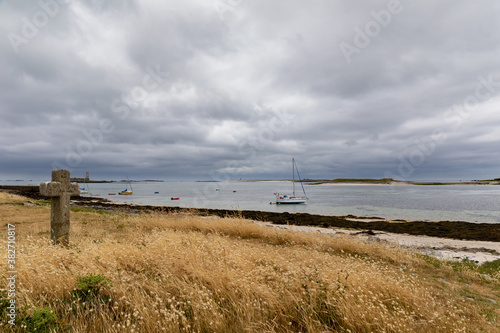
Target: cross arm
{"points": [[55, 189], [50, 189], [74, 189]]}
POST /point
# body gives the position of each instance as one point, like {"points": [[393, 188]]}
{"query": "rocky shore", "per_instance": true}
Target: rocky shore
{"points": [[444, 229]]}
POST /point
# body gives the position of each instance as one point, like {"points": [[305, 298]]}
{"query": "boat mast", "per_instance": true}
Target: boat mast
{"points": [[293, 175], [131, 189]]}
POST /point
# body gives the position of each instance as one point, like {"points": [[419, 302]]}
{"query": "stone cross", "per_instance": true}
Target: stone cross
{"points": [[59, 190]]}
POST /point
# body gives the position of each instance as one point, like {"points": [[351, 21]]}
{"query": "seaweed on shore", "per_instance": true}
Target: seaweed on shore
{"points": [[446, 229]]}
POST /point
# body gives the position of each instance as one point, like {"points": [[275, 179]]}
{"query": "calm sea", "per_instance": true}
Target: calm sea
{"points": [[471, 203]]}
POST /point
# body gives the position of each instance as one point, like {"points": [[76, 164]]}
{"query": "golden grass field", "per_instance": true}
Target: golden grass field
{"points": [[187, 273]]}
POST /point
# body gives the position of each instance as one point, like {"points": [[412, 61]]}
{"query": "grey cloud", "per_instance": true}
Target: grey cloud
{"points": [[248, 88]]}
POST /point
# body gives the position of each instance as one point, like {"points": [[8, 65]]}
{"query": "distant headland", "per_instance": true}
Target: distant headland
{"points": [[364, 181], [85, 180], [390, 181]]}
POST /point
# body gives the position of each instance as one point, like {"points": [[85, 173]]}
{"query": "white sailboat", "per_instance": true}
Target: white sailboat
{"points": [[292, 199]]}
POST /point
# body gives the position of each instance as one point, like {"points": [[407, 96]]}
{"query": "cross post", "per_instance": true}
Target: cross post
{"points": [[59, 190]]}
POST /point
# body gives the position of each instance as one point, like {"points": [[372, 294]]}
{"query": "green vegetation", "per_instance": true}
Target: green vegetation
{"points": [[436, 183], [88, 291], [362, 180], [89, 287], [490, 268], [351, 180], [42, 320]]}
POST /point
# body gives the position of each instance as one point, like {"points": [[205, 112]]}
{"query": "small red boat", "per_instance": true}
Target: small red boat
{"points": [[111, 193], [174, 198]]}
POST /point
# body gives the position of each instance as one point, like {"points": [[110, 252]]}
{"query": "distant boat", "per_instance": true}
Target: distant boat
{"points": [[172, 198], [292, 199], [91, 194], [84, 189], [111, 193], [127, 191], [157, 192]]}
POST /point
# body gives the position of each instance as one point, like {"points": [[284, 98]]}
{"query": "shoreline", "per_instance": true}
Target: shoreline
{"points": [[425, 241], [426, 238], [445, 229], [450, 240]]}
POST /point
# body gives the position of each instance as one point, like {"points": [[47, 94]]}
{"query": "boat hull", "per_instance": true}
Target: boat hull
{"points": [[125, 193], [290, 201]]}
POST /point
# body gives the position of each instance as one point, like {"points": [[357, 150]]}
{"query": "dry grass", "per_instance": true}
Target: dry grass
{"points": [[181, 272]]}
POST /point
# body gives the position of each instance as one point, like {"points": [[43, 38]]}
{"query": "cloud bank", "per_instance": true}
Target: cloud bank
{"points": [[230, 89]]}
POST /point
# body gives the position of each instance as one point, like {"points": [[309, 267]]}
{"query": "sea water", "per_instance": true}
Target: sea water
{"points": [[471, 203]]}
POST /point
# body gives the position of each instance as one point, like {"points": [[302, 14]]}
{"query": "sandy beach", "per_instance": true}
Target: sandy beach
{"points": [[443, 248]]}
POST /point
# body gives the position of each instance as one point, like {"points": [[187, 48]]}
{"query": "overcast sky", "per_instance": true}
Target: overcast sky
{"points": [[229, 89]]}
